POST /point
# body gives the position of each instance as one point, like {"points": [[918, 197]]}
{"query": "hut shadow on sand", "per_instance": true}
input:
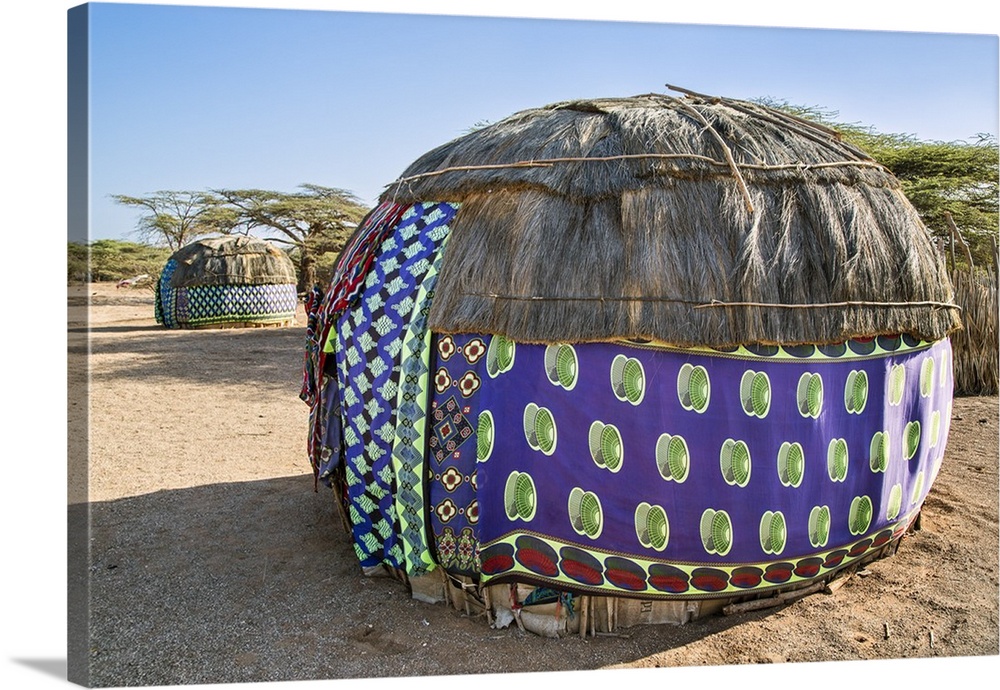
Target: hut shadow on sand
{"points": [[274, 596]]}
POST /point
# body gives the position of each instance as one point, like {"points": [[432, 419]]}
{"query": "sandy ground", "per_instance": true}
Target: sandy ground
{"points": [[213, 560]]}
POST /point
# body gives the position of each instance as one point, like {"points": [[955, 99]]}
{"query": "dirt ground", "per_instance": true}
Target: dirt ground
{"points": [[213, 560]]}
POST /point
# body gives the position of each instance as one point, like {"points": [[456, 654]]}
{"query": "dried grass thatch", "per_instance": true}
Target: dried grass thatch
{"points": [[695, 221], [977, 369], [231, 260]]}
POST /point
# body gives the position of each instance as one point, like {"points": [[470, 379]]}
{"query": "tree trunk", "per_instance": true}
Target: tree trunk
{"points": [[307, 272]]}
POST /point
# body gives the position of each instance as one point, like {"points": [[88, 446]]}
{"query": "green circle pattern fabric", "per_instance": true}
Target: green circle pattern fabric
{"points": [[692, 472]]}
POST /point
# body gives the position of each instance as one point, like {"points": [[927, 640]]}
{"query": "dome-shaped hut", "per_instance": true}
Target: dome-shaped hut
{"points": [[666, 352], [225, 282]]}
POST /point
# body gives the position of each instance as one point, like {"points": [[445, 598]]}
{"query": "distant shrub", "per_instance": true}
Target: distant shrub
{"points": [[113, 260]]}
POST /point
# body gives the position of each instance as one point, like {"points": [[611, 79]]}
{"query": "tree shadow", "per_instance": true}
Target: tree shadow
{"points": [[104, 330], [265, 356]]}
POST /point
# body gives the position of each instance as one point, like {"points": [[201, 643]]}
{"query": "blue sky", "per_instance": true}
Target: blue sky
{"points": [[194, 98]]}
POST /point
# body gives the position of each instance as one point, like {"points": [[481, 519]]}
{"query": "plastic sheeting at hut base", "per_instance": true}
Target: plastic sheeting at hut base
{"points": [[608, 483], [552, 613]]}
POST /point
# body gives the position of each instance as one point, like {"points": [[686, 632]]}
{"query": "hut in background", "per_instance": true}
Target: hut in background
{"points": [[226, 282], [631, 360]]}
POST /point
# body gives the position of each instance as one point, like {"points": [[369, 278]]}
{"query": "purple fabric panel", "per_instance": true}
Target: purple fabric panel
{"points": [[660, 411]]}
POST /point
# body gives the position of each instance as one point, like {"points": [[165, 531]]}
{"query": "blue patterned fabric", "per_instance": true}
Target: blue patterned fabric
{"points": [[330, 442], [408, 451], [164, 305], [219, 304], [369, 346]]}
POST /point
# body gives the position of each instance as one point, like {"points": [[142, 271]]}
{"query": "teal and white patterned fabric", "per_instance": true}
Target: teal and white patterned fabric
{"points": [[207, 305]]}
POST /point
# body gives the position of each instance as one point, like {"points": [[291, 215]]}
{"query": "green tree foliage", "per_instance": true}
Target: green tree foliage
{"points": [[941, 178], [177, 218], [114, 260], [959, 178], [311, 222]]}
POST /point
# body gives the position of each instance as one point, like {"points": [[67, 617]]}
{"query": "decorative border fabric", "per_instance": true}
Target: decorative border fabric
{"points": [[408, 450], [460, 370], [621, 468]]}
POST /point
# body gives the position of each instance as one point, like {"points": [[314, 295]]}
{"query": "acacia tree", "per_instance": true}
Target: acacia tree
{"points": [[942, 179], [311, 221], [177, 218]]}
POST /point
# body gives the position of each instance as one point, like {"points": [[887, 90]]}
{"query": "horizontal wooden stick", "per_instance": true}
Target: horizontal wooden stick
{"points": [[777, 600], [714, 303], [549, 162]]}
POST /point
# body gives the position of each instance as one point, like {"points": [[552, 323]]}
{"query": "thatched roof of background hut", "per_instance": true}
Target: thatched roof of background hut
{"points": [[231, 260], [692, 220]]}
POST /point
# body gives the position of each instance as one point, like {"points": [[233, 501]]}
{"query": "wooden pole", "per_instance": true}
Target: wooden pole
{"points": [[996, 260], [957, 235], [726, 152], [489, 605], [952, 253]]}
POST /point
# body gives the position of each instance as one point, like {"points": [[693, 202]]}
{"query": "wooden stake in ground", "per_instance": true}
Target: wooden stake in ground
{"points": [[957, 235]]}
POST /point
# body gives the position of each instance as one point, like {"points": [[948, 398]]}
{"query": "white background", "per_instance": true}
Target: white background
{"points": [[33, 451]]}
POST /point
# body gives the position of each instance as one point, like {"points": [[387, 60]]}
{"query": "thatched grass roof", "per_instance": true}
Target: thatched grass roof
{"points": [[231, 260], [693, 220]]}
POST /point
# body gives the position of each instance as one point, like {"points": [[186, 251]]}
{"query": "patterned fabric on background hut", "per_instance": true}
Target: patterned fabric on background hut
{"points": [[676, 351], [225, 282]]}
